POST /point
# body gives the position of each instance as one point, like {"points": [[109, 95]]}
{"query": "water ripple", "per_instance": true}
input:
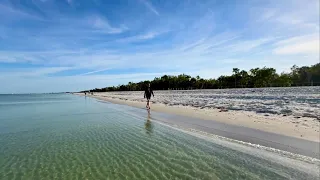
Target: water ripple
{"points": [[111, 144]]}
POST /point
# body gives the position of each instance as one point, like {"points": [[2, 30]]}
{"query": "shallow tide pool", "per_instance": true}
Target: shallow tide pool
{"points": [[70, 137]]}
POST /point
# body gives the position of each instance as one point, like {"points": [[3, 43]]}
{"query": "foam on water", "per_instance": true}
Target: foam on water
{"points": [[85, 139]]}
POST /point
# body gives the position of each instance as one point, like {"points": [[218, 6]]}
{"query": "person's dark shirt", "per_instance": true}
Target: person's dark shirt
{"points": [[148, 92]]}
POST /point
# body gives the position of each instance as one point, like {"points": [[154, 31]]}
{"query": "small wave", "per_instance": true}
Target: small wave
{"points": [[224, 140], [214, 137]]}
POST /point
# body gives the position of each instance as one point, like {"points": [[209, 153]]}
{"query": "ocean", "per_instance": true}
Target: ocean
{"points": [[63, 136]]}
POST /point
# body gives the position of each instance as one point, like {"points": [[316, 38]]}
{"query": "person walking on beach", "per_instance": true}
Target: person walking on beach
{"points": [[147, 94]]}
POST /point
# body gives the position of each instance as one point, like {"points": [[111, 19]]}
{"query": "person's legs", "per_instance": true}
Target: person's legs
{"points": [[148, 102]]}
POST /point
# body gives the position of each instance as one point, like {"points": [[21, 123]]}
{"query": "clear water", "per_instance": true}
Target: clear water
{"points": [[71, 137]]}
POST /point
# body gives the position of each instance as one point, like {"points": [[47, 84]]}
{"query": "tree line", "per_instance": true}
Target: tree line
{"points": [[254, 78]]}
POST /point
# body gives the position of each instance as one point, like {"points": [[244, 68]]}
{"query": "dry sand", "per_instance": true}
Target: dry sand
{"points": [[303, 127]]}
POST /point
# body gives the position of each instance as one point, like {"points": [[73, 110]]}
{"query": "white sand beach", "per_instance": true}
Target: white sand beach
{"points": [[290, 125]]}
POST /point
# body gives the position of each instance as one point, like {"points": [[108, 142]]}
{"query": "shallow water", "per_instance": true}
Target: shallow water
{"points": [[296, 101], [70, 137]]}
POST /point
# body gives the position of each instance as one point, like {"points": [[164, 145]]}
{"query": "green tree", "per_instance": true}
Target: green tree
{"points": [[256, 77], [236, 74]]}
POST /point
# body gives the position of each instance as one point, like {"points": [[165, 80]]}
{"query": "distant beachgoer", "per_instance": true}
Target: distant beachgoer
{"points": [[85, 93], [147, 94]]}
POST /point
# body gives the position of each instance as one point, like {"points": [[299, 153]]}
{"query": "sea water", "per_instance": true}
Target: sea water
{"points": [[62, 136]]}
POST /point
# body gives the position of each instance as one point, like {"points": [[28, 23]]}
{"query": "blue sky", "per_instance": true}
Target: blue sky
{"points": [[71, 45]]}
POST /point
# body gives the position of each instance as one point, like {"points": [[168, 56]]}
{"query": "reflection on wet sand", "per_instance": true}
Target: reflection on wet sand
{"points": [[148, 125]]}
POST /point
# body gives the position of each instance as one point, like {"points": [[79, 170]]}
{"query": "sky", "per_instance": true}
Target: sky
{"points": [[73, 45]]}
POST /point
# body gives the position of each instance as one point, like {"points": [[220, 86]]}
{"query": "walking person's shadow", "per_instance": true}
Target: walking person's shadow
{"points": [[148, 125]]}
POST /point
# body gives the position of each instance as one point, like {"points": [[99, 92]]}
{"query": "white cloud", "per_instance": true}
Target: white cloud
{"points": [[102, 25], [297, 21], [285, 14], [147, 36], [99, 23], [308, 44], [267, 14], [248, 45], [31, 72]]}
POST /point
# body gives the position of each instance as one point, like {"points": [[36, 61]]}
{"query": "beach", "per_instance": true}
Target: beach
{"points": [[275, 110]]}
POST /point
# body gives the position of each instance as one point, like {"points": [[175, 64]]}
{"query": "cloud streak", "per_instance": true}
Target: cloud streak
{"points": [[150, 7]]}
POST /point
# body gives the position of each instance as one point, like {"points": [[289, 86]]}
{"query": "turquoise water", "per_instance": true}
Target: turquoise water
{"points": [[71, 137]]}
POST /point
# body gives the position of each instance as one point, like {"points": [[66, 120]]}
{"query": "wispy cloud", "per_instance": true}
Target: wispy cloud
{"points": [[92, 72], [141, 37], [248, 45], [32, 72], [150, 7], [102, 25], [9, 13]]}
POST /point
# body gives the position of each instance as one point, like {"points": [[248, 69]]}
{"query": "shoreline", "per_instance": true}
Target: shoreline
{"points": [[301, 128]]}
